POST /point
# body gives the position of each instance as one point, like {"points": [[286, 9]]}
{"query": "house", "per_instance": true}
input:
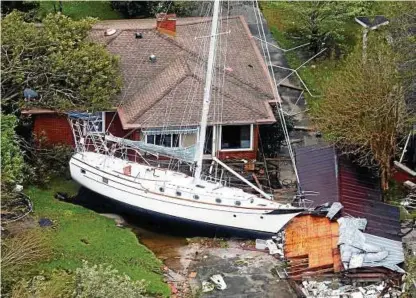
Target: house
{"points": [[163, 78]]}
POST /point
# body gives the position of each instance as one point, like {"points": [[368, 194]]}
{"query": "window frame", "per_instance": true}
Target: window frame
{"points": [[239, 149], [103, 122], [171, 140]]}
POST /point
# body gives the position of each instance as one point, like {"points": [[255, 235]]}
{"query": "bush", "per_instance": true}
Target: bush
{"points": [[59, 284], [46, 161], [19, 252], [90, 281], [12, 162]]}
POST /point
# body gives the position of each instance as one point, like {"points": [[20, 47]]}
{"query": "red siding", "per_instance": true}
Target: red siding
{"points": [[54, 127], [58, 131], [251, 154]]}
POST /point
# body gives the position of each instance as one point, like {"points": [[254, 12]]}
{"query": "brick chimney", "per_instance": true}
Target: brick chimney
{"points": [[166, 23]]}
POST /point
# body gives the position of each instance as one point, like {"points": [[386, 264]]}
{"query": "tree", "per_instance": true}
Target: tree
{"points": [[24, 6], [58, 61], [272, 136], [12, 162], [323, 23], [132, 9], [363, 108]]}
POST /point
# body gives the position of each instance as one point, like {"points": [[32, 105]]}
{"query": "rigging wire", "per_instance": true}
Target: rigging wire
{"points": [[277, 98]]}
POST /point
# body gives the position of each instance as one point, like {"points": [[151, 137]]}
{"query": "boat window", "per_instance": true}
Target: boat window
{"points": [[161, 189], [237, 203], [83, 171], [196, 197], [218, 200], [178, 193], [261, 217], [200, 186], [235, 215], [252, 201], [105, 180]]}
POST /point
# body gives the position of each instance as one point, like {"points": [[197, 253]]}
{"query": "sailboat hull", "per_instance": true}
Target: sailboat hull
{"points": [[97, 173]]}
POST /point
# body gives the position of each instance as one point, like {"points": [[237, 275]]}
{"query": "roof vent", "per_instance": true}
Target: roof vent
{"points": [[109, 32], [139, 35], [152, 58]]}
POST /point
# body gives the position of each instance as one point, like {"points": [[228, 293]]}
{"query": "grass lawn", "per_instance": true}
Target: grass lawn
{"points": [[82, 234], [81, 9]]}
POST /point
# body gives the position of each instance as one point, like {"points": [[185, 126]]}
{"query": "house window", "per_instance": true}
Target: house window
{"points": [[167, 140], [236, 137], [96, 122]]}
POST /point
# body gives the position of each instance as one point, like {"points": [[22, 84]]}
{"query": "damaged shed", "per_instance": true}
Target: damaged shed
{"points": [[327, 177]]}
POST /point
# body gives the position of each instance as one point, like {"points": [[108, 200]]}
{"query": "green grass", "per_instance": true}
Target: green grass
{"points": [[82, 234], [81, 9], [316, 73]]}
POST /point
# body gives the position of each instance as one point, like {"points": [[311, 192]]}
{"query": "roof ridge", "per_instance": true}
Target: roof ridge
{"points": [[176, 43]]}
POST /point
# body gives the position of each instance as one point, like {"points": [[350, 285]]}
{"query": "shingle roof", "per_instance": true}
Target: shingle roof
{"points": [[170, 91]]}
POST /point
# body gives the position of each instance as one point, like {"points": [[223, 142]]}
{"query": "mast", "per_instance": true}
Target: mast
{"points": [[207, 91]]}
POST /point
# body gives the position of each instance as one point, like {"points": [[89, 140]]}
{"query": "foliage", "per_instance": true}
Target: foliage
{"points": [[90, 281], [272, 136], [12, 162], [57, 61], [363, 110], [322, 24], [410, 276], [29, 7], [79, 9], [81, 234], [19, 252], [131, 9], [59, 284], [46, 161]]}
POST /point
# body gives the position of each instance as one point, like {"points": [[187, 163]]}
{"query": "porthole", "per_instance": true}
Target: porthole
{"points": [[261, 217], [83, 171], [196, 197], [237, 203], [178, 193], [235, 215], [161, 189], [252, 201], [218, 200], [105, 180]]}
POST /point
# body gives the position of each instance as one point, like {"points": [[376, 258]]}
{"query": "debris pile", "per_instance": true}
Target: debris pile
{"points": [[216, 281], [326, 289]]}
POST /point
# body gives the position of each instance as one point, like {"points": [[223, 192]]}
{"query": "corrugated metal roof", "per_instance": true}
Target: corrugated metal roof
{"points": [[360, 250], [360, 194], [317, 172], [339, 180]]}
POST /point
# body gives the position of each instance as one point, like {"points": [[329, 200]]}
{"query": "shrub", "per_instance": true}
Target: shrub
{"points": [[19, 252], [12, 162], [90, 281], [46, 161], [59, 284]]}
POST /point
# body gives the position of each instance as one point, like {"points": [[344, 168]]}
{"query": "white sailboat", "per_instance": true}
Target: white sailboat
{"points": [[172, 194]]}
